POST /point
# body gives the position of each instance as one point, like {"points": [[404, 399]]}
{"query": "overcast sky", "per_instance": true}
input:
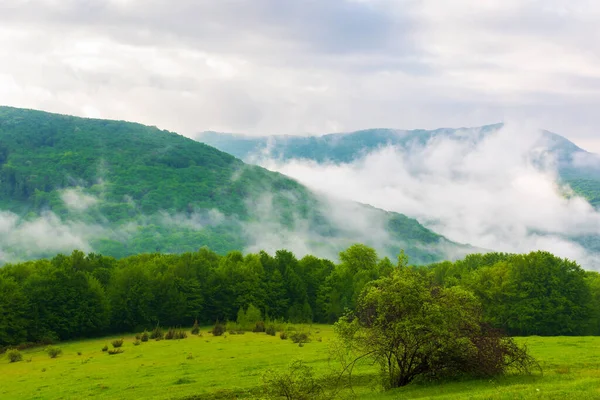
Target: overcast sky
{"points": [[292, 66]]}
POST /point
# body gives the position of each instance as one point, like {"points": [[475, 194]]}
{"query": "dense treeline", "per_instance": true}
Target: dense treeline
{"points": [[88, 295]]}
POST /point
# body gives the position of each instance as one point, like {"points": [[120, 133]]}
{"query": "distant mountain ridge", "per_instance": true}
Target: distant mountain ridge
{"points": [[577, 167], [121, 188]]}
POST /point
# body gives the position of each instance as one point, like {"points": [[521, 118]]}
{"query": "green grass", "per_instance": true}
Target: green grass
{"points": [[233, 364]]}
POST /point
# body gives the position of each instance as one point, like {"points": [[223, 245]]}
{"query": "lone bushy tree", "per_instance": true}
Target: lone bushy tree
{"points": [[413, 328]]}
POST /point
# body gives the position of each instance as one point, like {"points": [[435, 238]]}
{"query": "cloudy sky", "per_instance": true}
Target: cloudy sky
{"points": [[307, 66]]}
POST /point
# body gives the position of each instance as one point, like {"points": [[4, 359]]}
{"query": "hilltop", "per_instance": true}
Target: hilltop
{"points": [[122, 188]]}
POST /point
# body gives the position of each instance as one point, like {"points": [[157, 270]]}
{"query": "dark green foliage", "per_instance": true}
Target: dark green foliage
{"points": [[218, 329], [117, 343], [259, 327], [14, 355], [283, 335], [157, 333], [115, 351], [53, 351], [137, 342], [195, 328], [144, 336], [173, 333], [528, 294], [413, 328], [105, 348], [300, 337], [270, 330]]}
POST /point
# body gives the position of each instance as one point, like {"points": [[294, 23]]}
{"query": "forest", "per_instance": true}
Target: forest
{"points": [[81, 296], [136, 189]]}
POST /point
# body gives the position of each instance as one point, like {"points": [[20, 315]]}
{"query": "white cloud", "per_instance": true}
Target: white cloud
{"points": [[487, 193], [266, 66], [77, 200]]}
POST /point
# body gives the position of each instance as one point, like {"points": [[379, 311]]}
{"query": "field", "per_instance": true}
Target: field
{"points": [[231, 366]]}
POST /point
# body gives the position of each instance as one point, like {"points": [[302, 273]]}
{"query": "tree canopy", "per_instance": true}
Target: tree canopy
{"points": [[413, 328]]}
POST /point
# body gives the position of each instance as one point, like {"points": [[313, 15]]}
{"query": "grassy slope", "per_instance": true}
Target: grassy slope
{"points": [[136, 173], [162, 370]]}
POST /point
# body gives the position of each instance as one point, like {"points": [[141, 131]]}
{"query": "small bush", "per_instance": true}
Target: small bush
{"points": [[271, 330], [218, 329], [144, 336], [259, 327], [137, 343], [115, 351], [175, 334], [138, 336], [117, 343], [283, 335], [195, 328], [53, 351], [157, 333], [300, 337], [105, 348], [297, 382], [14, 355], [78, 353], [233, 332]]}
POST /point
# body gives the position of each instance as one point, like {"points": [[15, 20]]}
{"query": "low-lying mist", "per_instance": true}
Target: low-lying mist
{"points": [[499, 192]]}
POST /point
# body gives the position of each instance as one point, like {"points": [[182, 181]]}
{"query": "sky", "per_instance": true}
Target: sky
{"points": [[307, 67]]}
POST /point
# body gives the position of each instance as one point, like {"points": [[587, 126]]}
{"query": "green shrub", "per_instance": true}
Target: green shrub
{"points": [[53, 351], [232, 327], [117, 343], [218, 329], [105, 348], [175, 334], [14, 355], [297, 382], [137, 342], [195, 328], [115, 351], [157, 333], [283, 335], [259, 326], [300, 337], [271, 330], [144, 336]]}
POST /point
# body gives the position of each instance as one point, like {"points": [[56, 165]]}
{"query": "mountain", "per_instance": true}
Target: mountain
{"points": [[121, 188], [577, 167]]}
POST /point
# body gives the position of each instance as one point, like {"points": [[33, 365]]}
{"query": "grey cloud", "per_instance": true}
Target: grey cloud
{"points": [[306, 66]]}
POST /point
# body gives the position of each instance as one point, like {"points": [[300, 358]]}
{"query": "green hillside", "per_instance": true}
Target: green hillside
{"points": [[123, 188]]}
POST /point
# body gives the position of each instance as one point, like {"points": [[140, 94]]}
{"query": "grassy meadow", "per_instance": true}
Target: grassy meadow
{"points": [[231, 366]]}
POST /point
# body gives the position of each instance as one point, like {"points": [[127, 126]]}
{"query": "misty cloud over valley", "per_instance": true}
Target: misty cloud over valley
{"points": [[500, 192]]}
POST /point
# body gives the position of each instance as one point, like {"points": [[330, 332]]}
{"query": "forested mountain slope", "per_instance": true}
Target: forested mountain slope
{"points": [[123, 188]]}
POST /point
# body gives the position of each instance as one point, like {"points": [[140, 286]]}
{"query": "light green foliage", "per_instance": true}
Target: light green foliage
{"points": [[232, 367], [53, 351], [413, 329], [297, 382], [14, 355], [530, 294]]}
